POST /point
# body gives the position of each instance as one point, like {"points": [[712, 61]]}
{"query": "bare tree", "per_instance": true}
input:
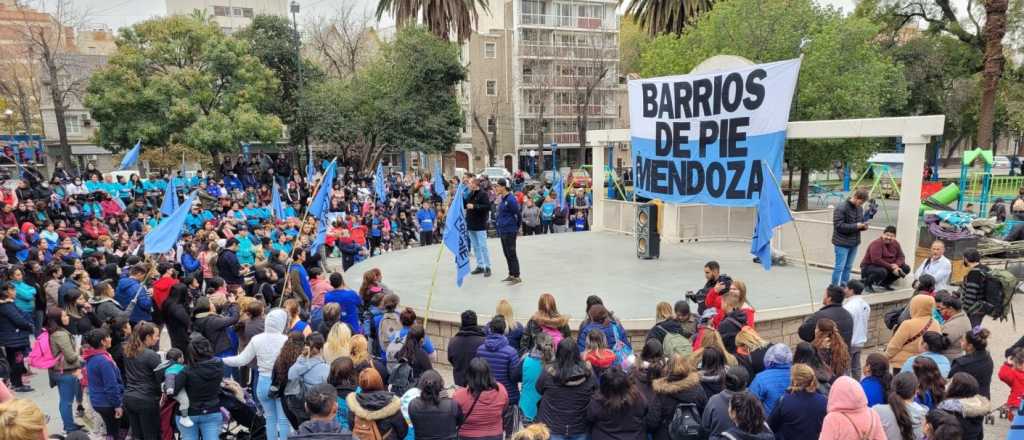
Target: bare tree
{"points": [[50, 43], [591, 64], [19, 86], [484, 111], [343, 43]]}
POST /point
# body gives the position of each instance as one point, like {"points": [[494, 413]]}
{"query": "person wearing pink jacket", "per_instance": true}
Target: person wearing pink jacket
{"points": [[849, 417]]}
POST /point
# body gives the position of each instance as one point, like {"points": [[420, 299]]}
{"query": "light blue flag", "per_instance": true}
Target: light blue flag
{"points": [[322, 201], [772, 212], [310, 171], [162, 238], [276, 208], [439, 182], [321, 234], [170, 198], [456, 236], [132, 156], [560, 190], [378, 184]]}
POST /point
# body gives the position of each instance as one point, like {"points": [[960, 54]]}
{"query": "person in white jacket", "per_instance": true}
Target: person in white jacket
{"points": [[861, 313], [937, 265], [265, 347]]}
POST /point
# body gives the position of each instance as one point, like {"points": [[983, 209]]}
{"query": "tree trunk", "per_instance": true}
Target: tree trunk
{"points": [[992, 35], [58, 107], [805, 186]]}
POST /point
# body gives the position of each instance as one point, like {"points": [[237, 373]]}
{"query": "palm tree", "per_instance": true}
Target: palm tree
{"points": [[667, 16], [992, 70], [442, 17]]}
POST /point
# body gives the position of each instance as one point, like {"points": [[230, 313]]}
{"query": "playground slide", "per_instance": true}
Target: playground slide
{"points": [[943, 197]]}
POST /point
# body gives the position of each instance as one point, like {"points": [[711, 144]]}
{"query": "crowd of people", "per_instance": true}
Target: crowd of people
{"points": [[261, 335]]}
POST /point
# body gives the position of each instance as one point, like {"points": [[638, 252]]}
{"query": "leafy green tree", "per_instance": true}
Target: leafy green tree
{"points": [[844, 73], [180, 80], [404, 100], [273, 40]]}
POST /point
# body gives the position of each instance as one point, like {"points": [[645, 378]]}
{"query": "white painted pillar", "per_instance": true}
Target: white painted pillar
{"points": [[910, 195], [598, 191]]}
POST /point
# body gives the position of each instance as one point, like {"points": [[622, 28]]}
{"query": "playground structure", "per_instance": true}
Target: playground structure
{"points": [[977, 187]]}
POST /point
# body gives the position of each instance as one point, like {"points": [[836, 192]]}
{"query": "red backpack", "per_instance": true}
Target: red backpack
{"points": [[42, 356]]}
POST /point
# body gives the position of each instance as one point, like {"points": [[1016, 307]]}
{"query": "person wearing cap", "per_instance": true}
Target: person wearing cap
{"points": [[507, 224]]}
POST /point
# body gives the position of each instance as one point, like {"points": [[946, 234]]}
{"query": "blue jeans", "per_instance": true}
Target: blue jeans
{"points": [[206, 425], [68, 386], [278, 425], [569, 437], [478, 241], [844, 262]]}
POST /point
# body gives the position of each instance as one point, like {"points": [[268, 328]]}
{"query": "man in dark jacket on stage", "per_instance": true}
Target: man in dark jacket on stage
{"points": [[478, 206], [832, 308], [463, 346], [847, 224], [507, 223]]}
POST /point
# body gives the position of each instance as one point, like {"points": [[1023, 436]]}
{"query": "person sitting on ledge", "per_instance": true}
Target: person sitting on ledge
{"points": [[884, 262]]}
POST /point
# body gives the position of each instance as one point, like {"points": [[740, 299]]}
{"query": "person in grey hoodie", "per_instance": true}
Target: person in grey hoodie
{"points": [[265, 347], [531, 218], [311, 369]]}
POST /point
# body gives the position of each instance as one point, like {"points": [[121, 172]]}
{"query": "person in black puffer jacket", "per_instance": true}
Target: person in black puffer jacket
{"points": [[435, 417], [847, 224], [682, 385], [201, 382], [142, 382], [619, 411], [566, 388], [378, 405], [463, 346], [213, 326]]}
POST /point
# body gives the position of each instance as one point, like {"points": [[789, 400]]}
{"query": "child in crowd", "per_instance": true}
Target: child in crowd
{"points": [[1012, 373], [172, 368]]}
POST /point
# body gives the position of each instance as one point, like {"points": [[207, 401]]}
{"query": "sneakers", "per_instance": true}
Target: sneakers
{"points": [[23, 389], [479, 270], [514, 280], [507, 279], [186, 421], [487, 272]]}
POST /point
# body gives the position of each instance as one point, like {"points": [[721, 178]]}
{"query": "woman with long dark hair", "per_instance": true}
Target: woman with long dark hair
{"points": [[201, 382], [877, 379], [81, 318], [969, 407], [482, 403], [931, 387], [176, 316], [15, 329], [976, 360], [619, 411], [435, 417], [902, 418], [142, 385], [67, 372], [941, 425], [831, 347], [345, 379], [712, 371], [412, 352], [290, 353], [805, 353], [747, 416]]}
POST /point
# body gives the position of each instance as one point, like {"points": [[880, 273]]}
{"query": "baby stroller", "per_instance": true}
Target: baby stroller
{"points": [[245, 421]]}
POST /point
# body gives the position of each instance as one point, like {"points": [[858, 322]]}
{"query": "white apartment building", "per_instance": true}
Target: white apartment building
{"points": [[231, 15]]}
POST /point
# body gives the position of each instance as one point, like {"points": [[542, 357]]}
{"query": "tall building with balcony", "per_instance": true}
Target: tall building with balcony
{"points": [[540, 73], [231, 15]]}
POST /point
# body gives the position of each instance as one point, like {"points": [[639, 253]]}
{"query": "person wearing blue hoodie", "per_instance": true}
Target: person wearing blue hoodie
{"points": [[507, 223], [349, 301], [771, 383], [130, 288], [502, 358], [105, 385], [801, 411]]}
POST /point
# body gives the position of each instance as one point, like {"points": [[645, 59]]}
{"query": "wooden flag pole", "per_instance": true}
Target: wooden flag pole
{"points": [[803, 251], [305, 215]]}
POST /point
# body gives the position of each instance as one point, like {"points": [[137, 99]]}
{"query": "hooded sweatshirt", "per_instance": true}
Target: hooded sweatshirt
{"points": [[504, 362], [104, 379], [907, 341], [381, 407], [265, 346], [771, 383], [849, 417]]}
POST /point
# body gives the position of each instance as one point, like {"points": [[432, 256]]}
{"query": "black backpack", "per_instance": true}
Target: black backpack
{"points": [[685, 424], [401, 379]]}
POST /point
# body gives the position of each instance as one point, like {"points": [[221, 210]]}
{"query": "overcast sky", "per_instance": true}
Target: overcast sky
{"points": [[120, 13]]}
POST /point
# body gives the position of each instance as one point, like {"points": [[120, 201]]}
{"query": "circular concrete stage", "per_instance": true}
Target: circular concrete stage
{"points": [[572, 266]]}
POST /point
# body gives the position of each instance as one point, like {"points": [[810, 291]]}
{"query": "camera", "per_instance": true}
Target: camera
{"points": [[697, 297]]}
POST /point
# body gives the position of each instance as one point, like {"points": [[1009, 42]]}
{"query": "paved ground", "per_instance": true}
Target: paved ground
{"points": [[572, 266]]}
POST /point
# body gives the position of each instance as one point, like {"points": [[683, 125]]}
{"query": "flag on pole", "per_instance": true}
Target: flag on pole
{"points": [[164, 236], [132, 156], [322, 201], [276, 208], [170, 198], [321, 234], [772, 212], [310, 171], [559, 190], [456, 236], [439, 182], [378, 184]]}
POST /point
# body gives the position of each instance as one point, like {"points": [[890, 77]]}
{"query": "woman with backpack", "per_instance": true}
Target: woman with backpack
{"points": [[435, 417], [15, 328], [409, 363], [533, 363], [66, 372], [799, 413], [614, 335], [619, 411], [482, 403], [849, 417], [545, 320], [680, 386], [345, 379], [142, 385], [374, 412]]}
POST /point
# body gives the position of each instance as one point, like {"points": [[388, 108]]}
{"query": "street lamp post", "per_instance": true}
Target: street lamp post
{"points": [[294, 7]]}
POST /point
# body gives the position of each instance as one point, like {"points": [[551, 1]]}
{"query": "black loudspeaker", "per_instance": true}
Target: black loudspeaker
{"points": [[648, 242]]}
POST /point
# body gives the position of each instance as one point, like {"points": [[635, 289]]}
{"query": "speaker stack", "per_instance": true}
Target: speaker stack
{"points": [[648, 242]]}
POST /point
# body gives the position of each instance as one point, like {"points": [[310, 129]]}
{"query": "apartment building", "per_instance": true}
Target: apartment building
{"points": [[537, 70], [231, 15]]}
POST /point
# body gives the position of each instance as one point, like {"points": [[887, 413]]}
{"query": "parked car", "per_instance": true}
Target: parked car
{"points": [[495, 173], [580, 178]]}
